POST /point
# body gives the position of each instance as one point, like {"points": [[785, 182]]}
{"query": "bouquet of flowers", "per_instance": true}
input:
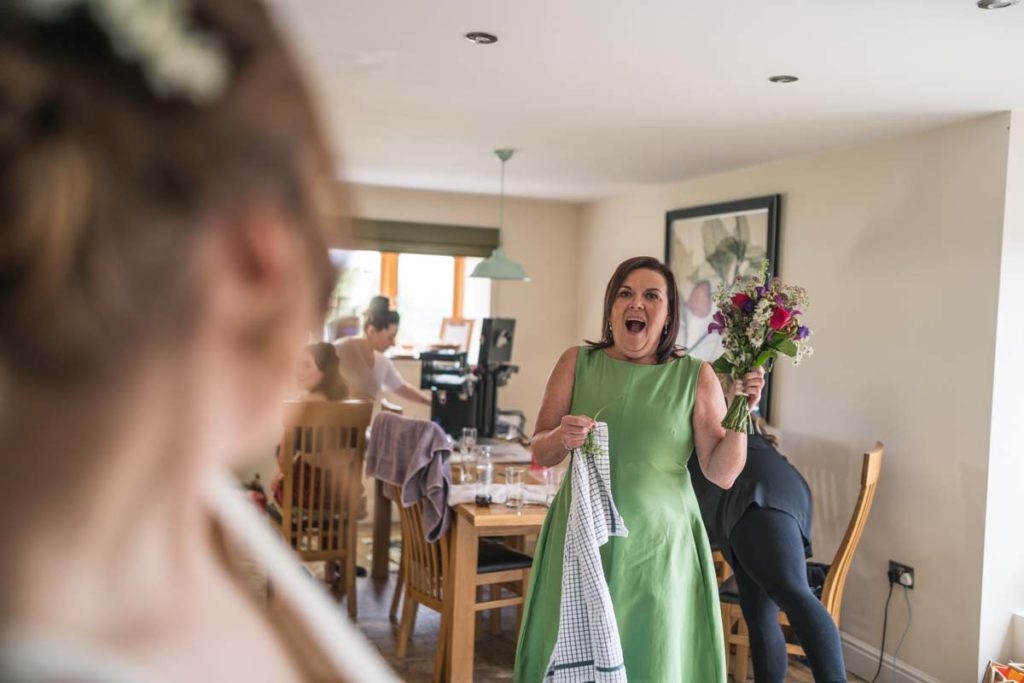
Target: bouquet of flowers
{"points": [[758, 318]]}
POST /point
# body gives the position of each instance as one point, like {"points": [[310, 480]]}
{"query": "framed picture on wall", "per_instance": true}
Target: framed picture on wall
{"points": [[706, 246]]}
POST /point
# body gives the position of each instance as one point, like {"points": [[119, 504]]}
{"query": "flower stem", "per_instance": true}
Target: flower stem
{"points": [[737, 419], [604, 407]]}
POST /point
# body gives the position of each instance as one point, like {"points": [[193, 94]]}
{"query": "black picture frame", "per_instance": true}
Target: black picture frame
{"points": [[709, 229]]}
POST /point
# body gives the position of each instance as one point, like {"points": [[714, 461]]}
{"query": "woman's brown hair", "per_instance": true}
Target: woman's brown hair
{"points": [[667, 347], [106, 186], [332, 386]]}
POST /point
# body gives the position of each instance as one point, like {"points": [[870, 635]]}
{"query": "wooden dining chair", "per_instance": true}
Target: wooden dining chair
{"points": [[457, 331], [737, 640], [427, 565], [326, 441], [722, 569], [382, 523]]}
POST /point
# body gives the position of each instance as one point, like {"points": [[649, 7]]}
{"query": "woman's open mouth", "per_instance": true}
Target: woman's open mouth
{"points": [[635, 326]]}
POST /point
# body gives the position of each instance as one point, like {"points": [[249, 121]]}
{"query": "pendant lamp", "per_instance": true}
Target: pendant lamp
{"points": [[498, 266]]}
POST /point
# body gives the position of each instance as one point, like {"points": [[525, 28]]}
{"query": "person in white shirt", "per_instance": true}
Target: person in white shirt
{"points": [[365, 368]]}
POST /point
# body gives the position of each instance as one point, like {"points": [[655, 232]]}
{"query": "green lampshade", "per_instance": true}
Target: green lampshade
{"points": [[498, 267]]}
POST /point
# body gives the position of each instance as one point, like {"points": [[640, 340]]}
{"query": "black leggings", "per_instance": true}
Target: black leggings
{"points": [[771, 573]]}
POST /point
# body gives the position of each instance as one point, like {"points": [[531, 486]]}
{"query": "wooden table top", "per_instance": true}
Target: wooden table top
{"points": [[497, 515]]}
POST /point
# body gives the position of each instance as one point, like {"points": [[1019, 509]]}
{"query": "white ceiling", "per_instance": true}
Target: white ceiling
{"points": [[600, 96]]}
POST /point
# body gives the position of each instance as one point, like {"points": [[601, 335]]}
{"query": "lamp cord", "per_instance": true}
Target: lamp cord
{"points": [[501, 203]]}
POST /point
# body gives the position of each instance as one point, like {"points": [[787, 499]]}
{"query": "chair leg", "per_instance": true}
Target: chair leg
{"points": [[406, 627], [350, 585], [726, 632], [494, 616], [521, 608], [442, 651], [478, 617], [396, 599]]}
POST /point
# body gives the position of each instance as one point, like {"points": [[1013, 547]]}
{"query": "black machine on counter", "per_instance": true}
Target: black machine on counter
{"points": [[464, 395]]}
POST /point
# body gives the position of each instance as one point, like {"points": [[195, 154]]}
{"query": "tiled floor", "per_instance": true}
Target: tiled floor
{"points": [[494, 654]]}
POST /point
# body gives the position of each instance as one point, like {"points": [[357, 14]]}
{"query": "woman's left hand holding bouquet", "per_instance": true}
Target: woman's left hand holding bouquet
{"points": [[751, 384]]}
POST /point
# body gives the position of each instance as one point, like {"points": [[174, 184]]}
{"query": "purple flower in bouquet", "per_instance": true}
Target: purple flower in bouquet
{"points": [[718, 322]]}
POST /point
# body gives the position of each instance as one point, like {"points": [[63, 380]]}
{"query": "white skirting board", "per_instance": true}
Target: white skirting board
{"points": [[862, 659]]}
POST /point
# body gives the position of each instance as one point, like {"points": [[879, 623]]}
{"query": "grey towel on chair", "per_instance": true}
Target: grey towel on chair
{"points": [[588, 648], [413, 455]]}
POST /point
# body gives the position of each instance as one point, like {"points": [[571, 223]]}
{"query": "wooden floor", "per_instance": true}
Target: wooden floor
{"points": [[494, 654]]}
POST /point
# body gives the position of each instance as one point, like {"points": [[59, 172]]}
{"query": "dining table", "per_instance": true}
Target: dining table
{"points": [[503, 452], [472, 522]]}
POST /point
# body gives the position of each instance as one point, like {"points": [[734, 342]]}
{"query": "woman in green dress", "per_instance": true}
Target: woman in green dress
{"points": [[660, 406]]}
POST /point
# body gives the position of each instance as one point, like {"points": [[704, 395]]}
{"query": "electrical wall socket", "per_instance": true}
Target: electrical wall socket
{"points": [[897, 571]]}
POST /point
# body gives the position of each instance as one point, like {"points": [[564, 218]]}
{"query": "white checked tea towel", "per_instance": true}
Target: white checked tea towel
{"points": [[588, 646]]}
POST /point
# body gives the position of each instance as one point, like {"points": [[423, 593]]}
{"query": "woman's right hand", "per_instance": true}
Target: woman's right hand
{"points": [[573, 430]]}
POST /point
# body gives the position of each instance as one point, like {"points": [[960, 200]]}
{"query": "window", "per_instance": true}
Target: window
{"points": [[476, 302], [426, 292], [424, 288]]}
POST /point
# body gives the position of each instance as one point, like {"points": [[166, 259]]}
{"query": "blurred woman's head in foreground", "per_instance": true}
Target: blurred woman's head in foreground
{"points": [[161, 195]]}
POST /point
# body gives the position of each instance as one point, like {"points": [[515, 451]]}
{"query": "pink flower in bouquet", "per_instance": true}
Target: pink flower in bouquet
{"points": [[743, 302], [780, 317], [739, 299]]}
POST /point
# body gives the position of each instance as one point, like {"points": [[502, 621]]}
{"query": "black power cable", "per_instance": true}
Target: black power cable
{"points": [[885, 625]]}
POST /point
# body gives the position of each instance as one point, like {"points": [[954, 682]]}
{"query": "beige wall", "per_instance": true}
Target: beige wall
{"points": [[542, 235], [1003, 579], [899, 246]]}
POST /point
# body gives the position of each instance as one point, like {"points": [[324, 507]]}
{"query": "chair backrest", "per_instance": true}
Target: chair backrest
{"points": [[835, 582], [389, 407], [425, 563], [457, 331], [321, 456]]}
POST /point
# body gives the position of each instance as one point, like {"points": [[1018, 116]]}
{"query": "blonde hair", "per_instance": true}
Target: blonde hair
{"points": [[764, 429], [105, 186]]}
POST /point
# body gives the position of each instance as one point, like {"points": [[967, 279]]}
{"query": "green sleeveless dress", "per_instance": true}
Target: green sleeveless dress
{"points": [[661, 576]]}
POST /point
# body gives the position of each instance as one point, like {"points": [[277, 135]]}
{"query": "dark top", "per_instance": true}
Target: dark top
{"points": [[768, 481]]}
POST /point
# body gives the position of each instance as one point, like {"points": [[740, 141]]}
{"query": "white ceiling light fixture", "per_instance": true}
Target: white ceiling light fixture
{"points": [[481, 38], [783, 78], [996, 4], [497, 266]]}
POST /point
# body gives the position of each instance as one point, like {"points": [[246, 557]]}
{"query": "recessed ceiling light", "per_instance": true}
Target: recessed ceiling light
{"points": [[481, 38], [996, 4], [783, 79]]}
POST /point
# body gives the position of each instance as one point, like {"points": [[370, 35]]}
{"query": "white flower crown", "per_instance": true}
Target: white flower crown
{"points": [[177, 60]]}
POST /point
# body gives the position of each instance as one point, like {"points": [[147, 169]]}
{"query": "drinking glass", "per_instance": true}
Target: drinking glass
{"points": [[468, 473], [469, 438], [553, 482], [515, 480]]}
